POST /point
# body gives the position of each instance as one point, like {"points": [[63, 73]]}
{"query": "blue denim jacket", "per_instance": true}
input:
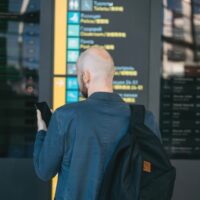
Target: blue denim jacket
{"points": [[80, 141]]}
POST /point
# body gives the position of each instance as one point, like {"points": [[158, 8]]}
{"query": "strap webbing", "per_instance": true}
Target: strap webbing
{"points": [[137, 113]]}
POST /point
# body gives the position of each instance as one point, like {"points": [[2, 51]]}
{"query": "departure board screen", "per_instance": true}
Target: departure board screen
{"points": [[19, 63], [180, 82], [120, 28]]}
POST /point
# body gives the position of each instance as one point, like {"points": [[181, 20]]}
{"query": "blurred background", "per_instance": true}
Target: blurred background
{"points": [[156, 48]]}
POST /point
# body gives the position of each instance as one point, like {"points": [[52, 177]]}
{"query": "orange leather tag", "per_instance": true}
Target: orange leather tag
{"points": [[147, 166]]}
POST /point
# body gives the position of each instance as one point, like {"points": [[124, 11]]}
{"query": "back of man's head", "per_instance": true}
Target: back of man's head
{"points": [[95, 70]]}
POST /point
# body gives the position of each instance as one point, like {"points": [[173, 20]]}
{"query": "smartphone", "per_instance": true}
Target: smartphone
{"points": [[45, 111]]}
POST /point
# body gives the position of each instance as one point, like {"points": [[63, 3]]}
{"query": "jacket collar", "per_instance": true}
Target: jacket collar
{"points": [[106, 96]]}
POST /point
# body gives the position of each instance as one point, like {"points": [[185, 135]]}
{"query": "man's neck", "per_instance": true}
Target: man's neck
{"points": [[100, 89]]}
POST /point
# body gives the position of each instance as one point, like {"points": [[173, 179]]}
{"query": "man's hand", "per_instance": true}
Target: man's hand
{"points": [[40, 122]]}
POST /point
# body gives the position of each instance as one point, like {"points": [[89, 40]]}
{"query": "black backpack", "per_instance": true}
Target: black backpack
{"points": [[139, 168]]}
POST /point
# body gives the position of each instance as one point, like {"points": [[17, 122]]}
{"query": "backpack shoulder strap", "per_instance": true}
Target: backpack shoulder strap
{"points": [[137, 114]]}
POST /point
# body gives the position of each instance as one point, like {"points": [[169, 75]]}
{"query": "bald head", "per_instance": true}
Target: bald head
{"points": [[98, 61], [95, 69]]}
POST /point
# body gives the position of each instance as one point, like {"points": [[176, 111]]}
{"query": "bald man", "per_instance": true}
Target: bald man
{"points": [[82, 136]]}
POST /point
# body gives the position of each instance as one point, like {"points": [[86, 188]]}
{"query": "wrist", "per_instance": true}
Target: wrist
{"points": [[42, 129]]}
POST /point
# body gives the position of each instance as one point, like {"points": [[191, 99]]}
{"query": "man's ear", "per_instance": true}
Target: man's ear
{"points": [[86, 77]]}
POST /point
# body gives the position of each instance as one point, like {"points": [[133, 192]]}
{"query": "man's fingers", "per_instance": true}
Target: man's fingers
{"points": [[39, 116], [40, 122]]}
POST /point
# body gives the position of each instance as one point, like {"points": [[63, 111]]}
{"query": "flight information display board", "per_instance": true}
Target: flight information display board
{"points": [[19, 63], [122, 27], [119, 27], [180, 82]]}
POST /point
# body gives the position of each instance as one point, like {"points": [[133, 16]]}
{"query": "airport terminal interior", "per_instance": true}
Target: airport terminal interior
{"points": [[155, 45]]}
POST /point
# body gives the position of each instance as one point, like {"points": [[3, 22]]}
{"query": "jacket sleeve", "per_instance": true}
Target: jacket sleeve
{"points": [[150, 122], [48, 150]]}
